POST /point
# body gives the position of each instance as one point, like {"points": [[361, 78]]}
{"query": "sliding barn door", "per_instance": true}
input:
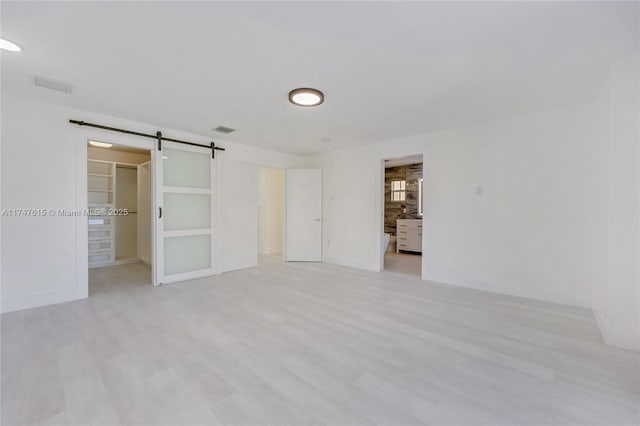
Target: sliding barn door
{"points": [[304, 215], [185, 196]]}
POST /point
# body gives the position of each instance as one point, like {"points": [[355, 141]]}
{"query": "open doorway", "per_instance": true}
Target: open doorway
{"points": [[120, 220], [403, 215], [271, 212]]}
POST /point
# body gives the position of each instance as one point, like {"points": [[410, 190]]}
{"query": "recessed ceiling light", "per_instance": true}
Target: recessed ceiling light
{"points": [[306, 96], [8, 45], [100, 144]]}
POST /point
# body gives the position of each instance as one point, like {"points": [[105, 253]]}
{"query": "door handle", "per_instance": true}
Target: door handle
{"points": [[159, 212], [316, 220]]}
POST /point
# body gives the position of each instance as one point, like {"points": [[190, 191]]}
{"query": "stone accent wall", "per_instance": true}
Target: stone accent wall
{"points": [[395, 210]]}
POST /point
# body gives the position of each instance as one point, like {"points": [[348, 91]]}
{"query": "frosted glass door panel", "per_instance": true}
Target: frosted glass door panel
{"points": [[186, 168], [186, 254], [186, 211], [184, 228]]}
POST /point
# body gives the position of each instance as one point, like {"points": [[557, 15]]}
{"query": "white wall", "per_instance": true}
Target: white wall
{"points": [[271, 184], [538, 229], [239, 216], [127, 226], [617, 299], [44, 259]]}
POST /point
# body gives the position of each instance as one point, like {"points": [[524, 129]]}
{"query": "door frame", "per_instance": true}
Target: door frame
{"points": [[381, 206], [82, 204]]}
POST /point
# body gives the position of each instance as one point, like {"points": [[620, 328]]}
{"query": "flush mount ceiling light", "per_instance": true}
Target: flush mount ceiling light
{"points": [[306, 97], [8, 45], [224, 129], [100, 144]]}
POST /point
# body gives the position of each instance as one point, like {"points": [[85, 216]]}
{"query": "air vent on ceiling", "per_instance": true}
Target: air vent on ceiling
{"points": [[52, 84], [223, 129]]}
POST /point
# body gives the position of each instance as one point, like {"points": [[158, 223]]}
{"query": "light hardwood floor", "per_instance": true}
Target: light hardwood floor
{"points": [[294, 344], [403, 263]]}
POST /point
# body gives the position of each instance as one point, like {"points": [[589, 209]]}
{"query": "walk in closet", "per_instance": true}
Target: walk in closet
{"points": [[119, 197]]}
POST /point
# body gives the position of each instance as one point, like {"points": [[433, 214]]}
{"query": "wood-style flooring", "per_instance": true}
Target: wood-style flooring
{"points": [[403, 263], [304, 343]]}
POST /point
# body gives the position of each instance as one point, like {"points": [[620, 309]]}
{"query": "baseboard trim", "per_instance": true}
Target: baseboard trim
{"points": [[364, 266], [611, 339], [39, 300], [602, 325]]}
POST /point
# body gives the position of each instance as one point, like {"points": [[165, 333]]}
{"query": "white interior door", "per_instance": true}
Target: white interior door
{"points": [[185, 196], [303, 241], [238, 215]]}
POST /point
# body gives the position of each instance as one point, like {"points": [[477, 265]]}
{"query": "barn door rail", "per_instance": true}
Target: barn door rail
{"points": [[158, 136]]}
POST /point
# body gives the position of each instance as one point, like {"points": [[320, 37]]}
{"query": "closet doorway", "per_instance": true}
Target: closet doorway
{"points": [[271, 213], [119, 188]]}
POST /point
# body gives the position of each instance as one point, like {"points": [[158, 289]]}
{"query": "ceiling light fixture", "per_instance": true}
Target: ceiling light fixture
{"points": [[224, 129], [100, 144], [306, 97], [8, 45]]}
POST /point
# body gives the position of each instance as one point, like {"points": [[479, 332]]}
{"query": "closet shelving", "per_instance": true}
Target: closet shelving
{"points": [[101, 195]]}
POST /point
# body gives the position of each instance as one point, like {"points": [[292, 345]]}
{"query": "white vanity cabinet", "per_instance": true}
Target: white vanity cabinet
{"points": [[409, 235]]}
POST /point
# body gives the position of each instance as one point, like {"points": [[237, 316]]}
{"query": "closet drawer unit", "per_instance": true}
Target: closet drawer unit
{"points": [[101, 258], [100, 234], [100, 255], [100, 221], [100, 246]]}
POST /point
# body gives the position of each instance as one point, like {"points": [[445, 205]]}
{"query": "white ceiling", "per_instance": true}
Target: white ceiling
{"points": [[387, 69]]}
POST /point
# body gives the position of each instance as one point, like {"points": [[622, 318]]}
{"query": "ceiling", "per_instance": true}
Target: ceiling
{"points": [[387, 69]]}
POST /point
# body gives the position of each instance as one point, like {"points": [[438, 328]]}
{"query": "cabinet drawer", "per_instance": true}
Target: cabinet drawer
{"points": [[95, 221], [100, 258], [100, 245], [415, 242], [100, 234], [409, 224]]}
